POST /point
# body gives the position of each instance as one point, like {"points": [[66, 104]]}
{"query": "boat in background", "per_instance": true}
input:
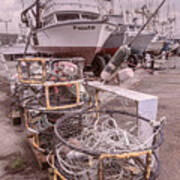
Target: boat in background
{"points": [[126, 31], [140, 45], [156, 46]]}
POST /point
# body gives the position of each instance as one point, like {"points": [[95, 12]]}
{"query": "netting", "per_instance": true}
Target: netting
{"points": [[77, 156]]}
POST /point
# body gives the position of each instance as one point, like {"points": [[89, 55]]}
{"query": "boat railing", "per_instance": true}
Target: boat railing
{"points": [[70, 6], [24, 17]]}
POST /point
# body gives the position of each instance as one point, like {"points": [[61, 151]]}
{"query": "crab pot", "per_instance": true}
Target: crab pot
{"points": [[108, 166], [100, 149], [39, 70]]}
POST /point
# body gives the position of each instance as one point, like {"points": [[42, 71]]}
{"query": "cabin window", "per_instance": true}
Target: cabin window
{"points": [[49, 20], [90, 16], [67, 17]]}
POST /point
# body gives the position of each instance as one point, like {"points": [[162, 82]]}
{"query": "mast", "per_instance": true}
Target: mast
{"points": [[37, 13]]}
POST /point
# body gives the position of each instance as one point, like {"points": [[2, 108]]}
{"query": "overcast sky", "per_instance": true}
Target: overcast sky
{"points": [[10, 10]]}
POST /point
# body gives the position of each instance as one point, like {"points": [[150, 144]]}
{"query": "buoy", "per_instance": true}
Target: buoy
{"points": [[120, 56]]}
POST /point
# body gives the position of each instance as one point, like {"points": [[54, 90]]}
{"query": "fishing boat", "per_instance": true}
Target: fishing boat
{"points": [[70, 28], [125, 32], [140, 44]]}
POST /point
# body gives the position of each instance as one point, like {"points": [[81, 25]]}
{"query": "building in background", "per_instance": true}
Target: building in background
{"points": [[8, 39]]}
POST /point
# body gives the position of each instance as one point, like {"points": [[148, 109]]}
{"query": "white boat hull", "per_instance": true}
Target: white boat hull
{"points": [[74, 39]]}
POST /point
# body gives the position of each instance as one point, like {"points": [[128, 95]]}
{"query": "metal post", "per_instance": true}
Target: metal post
{"points": [[37, 13]]}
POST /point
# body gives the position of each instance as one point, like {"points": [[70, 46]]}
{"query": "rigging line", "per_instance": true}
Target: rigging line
{"points": [[22, 3]]}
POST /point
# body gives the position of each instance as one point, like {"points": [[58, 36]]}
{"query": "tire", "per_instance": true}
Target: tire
{"points": [[132, 60], [107, 58], [98, 65]]}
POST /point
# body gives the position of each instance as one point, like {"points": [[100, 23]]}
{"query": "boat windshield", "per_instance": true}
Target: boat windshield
{"points": [[68, 17], [89, 16], [76, 16]]}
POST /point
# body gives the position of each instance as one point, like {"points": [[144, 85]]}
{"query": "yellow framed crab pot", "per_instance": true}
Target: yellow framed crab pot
{"points": [[32, 70], [104, 171], [63, 95], [101, 149]]}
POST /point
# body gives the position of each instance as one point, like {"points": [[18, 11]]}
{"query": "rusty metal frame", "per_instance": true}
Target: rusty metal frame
{"points": [[148, 153], [56, 173], [35, 137], [49, 85], [127, 156], [32, 81]]}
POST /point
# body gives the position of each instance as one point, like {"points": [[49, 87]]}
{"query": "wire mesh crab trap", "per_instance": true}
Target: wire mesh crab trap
{"points": [[107, 144], [101, 149], [48, 89], [51, 85]]}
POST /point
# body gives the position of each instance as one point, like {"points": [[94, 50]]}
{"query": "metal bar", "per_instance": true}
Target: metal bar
{"points": [[97, 106], [77, 93], [57, 173], [47, 97], [48, 104], [149, 161], [52, 84], [32, 59]]}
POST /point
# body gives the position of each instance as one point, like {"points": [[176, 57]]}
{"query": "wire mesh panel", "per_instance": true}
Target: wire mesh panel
{"points": [[32, 71], [63, 95], [125, 166], [40, 127]]}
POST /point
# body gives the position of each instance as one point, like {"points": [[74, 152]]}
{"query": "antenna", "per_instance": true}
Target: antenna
{"points": [[22, 2]]}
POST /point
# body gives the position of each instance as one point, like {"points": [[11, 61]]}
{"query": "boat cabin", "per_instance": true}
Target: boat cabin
{"points": [[58, 12], [65, 17]]}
